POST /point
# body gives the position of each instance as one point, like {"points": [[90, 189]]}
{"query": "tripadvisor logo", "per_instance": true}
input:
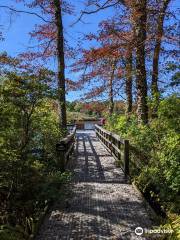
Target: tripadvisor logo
{"points": [[139, 231]]}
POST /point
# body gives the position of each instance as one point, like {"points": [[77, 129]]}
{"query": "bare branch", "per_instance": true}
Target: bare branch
{"points": [[48, 45], [99, 8], [26, 12]]}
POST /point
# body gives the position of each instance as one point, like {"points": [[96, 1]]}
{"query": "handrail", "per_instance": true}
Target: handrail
{"points": [[65, 148], [114, 144]]}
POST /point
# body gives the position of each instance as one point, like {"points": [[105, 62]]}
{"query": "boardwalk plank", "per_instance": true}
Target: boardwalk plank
{"points": [[102, 206]]}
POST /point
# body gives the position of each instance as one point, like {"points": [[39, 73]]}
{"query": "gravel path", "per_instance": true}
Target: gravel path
{"points": [[102, 206]]}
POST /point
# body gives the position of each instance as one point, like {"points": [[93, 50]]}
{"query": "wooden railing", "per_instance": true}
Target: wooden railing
{"points": [[65, 148], [118, 147]]}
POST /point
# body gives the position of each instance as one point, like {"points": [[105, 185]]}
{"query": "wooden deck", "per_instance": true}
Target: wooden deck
{"points": [[102, 205]]}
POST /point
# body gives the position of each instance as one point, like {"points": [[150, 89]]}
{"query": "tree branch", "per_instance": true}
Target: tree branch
{"points": [[100, 7], [26, 12]]}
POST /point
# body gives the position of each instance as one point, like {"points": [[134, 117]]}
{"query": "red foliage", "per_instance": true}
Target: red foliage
{"points": [[97, 64], [45, 33]]}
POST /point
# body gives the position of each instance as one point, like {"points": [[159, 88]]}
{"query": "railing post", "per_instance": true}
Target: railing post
{"points": [[61, 150], [96, 131], [110, 139], [126, 157], [119, 147]]}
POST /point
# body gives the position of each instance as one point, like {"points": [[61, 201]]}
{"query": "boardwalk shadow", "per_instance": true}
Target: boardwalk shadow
{"points": [[97, 159], [95, 214], [101, 205], [89, 168]]}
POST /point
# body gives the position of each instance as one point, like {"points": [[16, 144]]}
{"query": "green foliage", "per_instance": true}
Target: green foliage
{"points": [[70, 106], [158, 145], [48, 189], [10, 233], [71, 116], [29, 132], [174, 69], [78, 106], [173, 224]]}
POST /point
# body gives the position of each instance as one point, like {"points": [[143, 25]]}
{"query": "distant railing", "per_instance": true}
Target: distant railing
{"points": [[65, 148], [118, 147]]}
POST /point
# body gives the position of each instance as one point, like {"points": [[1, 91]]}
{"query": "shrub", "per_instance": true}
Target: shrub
{"points": [[159, 176]]}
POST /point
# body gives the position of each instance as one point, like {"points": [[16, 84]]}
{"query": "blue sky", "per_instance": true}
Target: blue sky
{"points": [[17, 27]]}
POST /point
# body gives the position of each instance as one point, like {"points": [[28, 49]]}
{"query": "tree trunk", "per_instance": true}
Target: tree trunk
{"points": [[128, 84], [139, 21], [111, 100], [157, 49], [111, 92], [61, 64]]}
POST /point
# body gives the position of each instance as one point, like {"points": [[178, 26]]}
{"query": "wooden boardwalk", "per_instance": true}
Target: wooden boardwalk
{"points": [[102, 206]]}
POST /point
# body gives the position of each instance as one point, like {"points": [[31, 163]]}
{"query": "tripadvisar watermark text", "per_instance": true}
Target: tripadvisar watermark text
{"points": [[139, 231]]}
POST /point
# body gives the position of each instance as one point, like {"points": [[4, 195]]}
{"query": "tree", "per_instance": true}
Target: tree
{"points": [[50, 36], [156, 54], [29, 131], [138, 10], [107, 63], [61, 65], [101, 71], [128, 84], [111, 90], [139, 19]]}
